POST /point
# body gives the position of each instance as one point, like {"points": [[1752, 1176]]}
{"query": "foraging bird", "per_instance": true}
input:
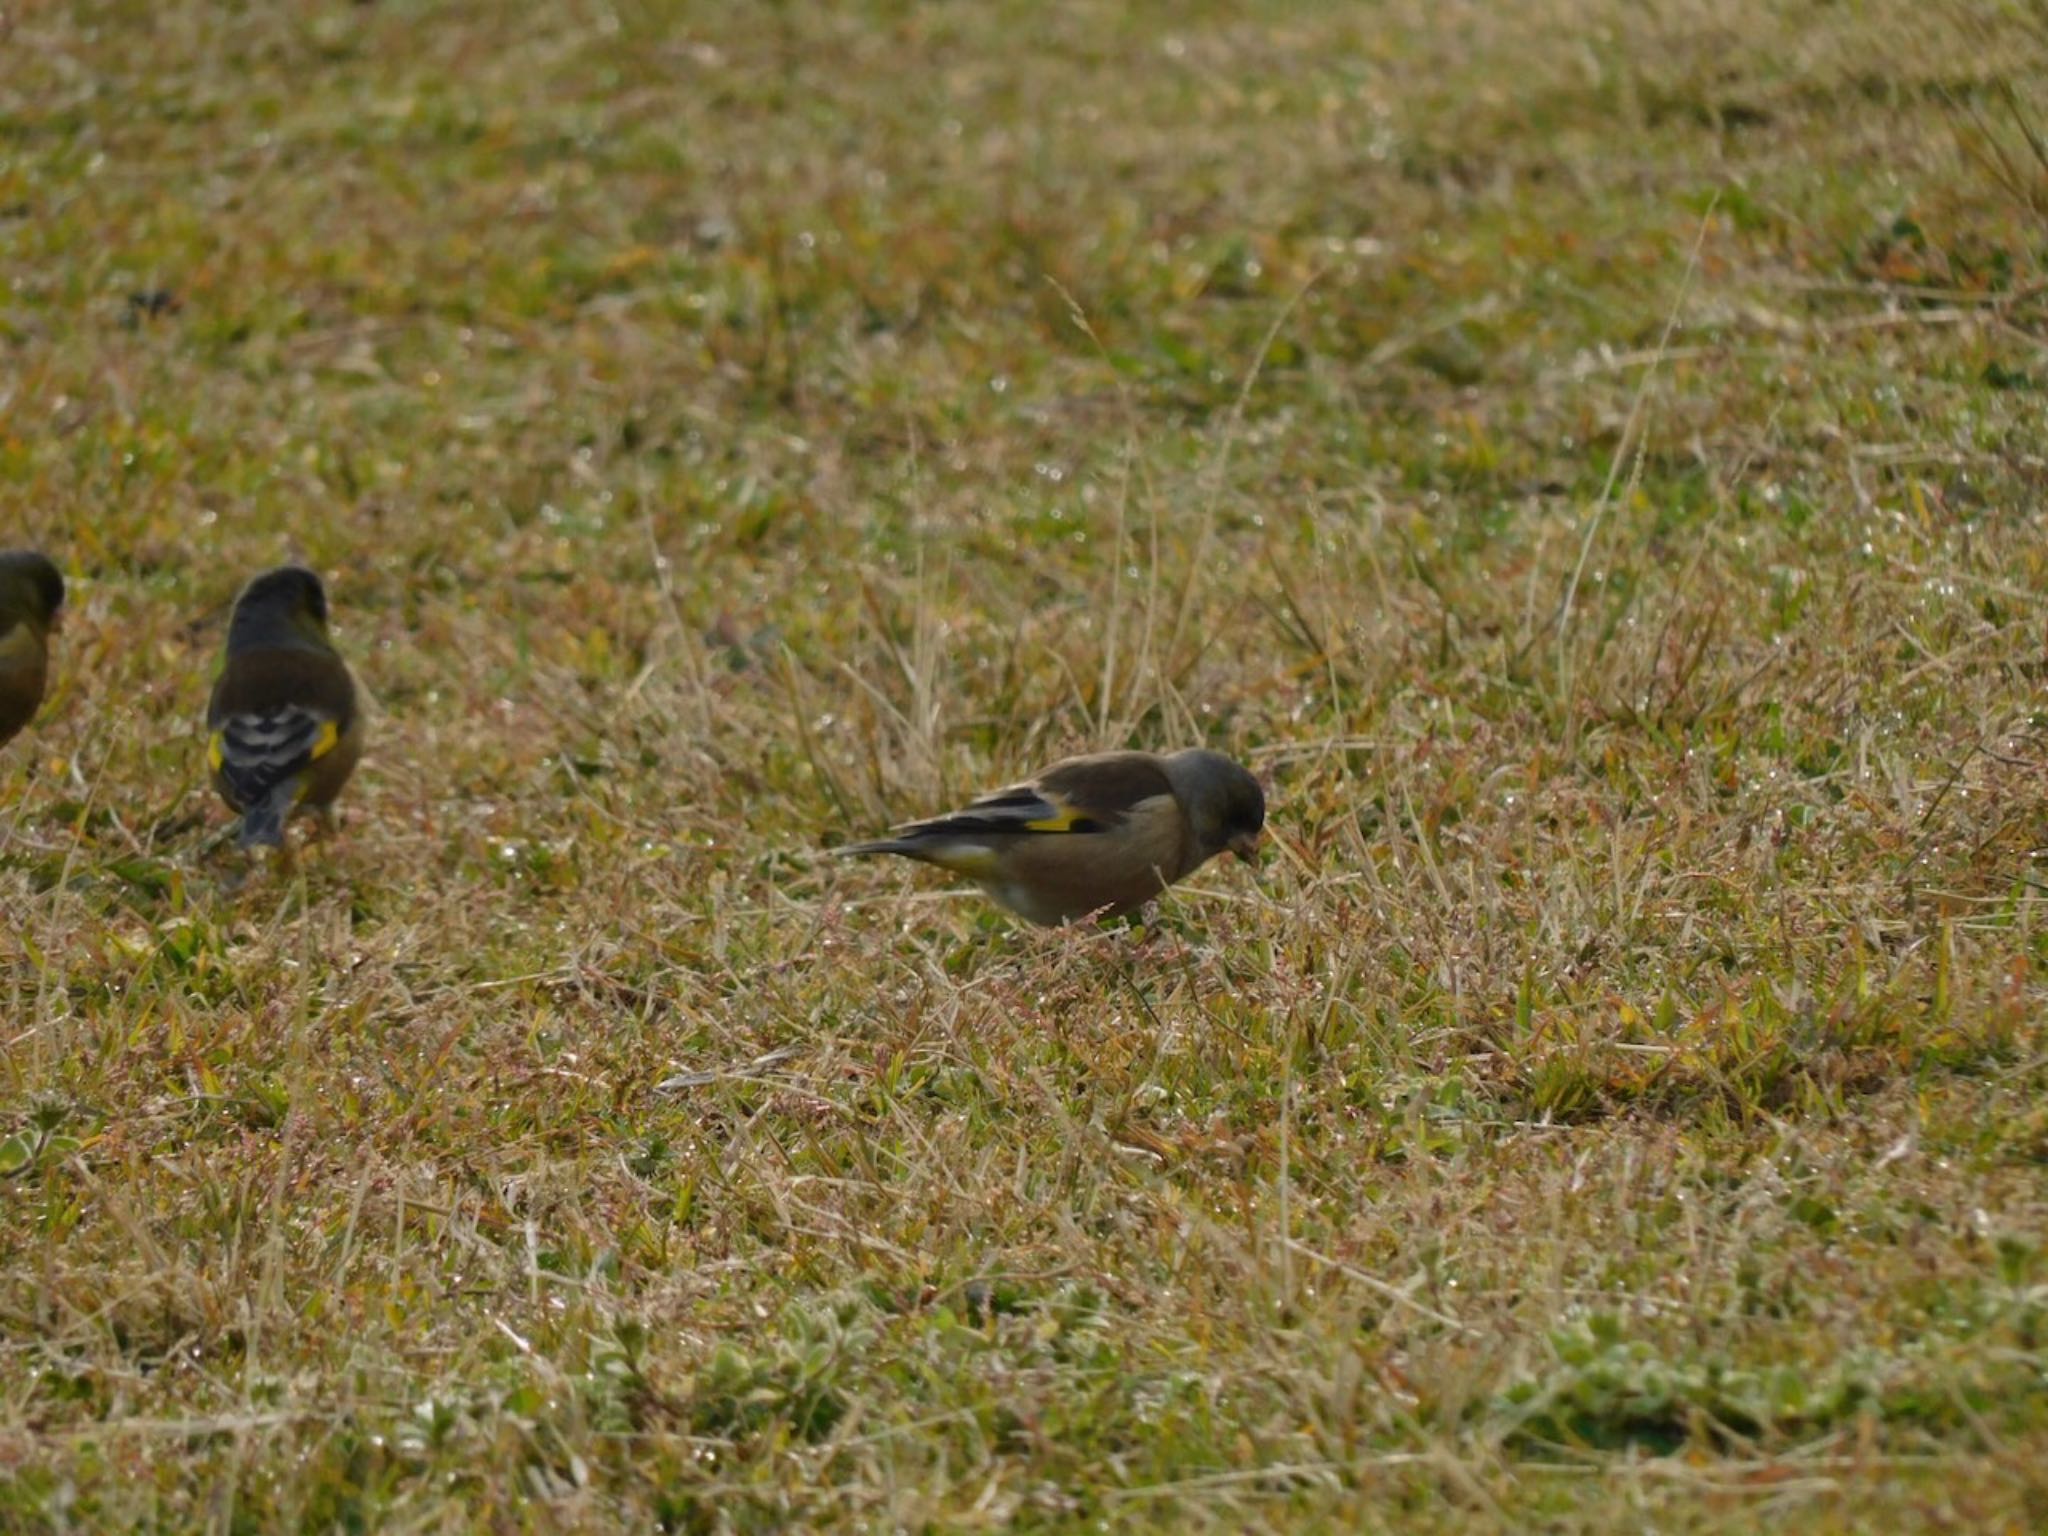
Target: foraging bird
{"points": [[1099, 834], [283, 731], [31, 601]]}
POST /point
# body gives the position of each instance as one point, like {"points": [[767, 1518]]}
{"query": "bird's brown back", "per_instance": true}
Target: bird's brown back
{"points": [[1105, 780], [258, 680]]}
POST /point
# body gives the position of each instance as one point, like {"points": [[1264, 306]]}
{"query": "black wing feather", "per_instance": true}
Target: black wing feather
{"points": [[262, 749]]}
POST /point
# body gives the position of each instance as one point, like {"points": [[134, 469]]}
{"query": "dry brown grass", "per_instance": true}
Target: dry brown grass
{"points": [[1620, 1102]]}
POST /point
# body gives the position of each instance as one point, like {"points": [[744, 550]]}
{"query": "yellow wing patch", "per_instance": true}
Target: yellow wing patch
{"points": [[1063, 822], [213, 750], [323, 743]]}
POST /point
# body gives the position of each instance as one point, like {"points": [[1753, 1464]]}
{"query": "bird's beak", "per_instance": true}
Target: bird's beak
{"points": [[1246, 847]]}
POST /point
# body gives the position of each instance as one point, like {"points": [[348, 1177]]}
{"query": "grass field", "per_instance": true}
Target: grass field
{"points": [[1589, 457]]}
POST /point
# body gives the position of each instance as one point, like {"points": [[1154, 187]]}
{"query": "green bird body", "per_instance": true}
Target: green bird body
{"points": [[31, 598], [283, 730], [1099, 834]]}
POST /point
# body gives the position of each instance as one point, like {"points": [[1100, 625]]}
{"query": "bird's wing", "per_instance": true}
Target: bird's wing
{"points": [[1022, 808], [255, 750], [1081, 795], [1071, 799], [1103, 790]]}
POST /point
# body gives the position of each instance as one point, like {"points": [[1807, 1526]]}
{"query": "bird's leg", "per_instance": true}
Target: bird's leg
{"points": [[325, 825]]}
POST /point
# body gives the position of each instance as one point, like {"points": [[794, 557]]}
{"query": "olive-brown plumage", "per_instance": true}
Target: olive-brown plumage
{"points": [[283, 731], [31, 600], [1098, 834]]}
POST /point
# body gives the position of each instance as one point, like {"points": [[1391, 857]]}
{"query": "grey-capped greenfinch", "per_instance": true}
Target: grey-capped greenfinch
{"points": [[31, 601], [283, 730], [1101, 834]]}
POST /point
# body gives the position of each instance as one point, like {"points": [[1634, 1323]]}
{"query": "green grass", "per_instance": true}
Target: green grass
{"points": [[1588, 457]]}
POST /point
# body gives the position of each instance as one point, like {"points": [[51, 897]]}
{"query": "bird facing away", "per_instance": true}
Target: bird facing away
{"points": [[1099, 834], [31, 600], [283, 734]]}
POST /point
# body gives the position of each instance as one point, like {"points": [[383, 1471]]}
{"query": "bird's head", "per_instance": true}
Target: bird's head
{"points": [[32, 586], [279, 606], [1224, 803]]}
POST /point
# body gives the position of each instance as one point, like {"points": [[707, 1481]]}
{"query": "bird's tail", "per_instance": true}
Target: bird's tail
{"points": [[880, 845], [263, 822], [962, 856]]}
